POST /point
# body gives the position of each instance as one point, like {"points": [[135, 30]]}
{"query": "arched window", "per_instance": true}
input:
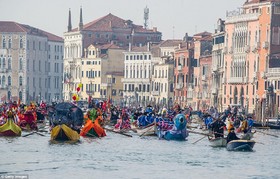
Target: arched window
{"points": [[20, 95], [9, 64], [10, 43], [9, 95], [20, 81], [3, 80], [4, 43], [4, 63], [20, 43], [20, 64], [9, 81]]}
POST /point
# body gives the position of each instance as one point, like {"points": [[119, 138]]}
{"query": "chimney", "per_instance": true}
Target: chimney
{"points": [[148, 46], [69, 21], [81, 19], [129, 47], [154, 29]]}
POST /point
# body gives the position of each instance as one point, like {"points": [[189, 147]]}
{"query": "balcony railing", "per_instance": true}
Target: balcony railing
{"points": [[238, 17], [179, 67], [179, 85], [155, 93]]}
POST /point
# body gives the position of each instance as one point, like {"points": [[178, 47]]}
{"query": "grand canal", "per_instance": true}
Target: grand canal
{"points": [[117, 156]]}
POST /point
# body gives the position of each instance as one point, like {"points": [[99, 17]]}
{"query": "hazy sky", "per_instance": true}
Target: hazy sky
{"points": [[172, 17]]}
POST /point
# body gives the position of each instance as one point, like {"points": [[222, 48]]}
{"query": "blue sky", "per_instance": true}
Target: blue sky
{"points": [[172, 17]]}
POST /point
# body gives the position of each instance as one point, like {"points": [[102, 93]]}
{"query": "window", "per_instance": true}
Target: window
{"points": [[39, 45], [276, 9], [39, 65], [34, 45], [27, 44], [9, 63], [10, 43], [4, 43], [20, 81], [20, 43], [9, 81]]}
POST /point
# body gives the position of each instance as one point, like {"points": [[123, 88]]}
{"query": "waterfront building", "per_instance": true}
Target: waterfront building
{"points": [[218, 64], [251, 41], [162, 92], [31, 63], [138, 66], [109, 29]]}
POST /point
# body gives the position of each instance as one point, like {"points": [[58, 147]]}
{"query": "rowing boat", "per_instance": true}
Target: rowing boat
{"points": [[63, 132], [241, 145], [10, 129], [218, 142]]}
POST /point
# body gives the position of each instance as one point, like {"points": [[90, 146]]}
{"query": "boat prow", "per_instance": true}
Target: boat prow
{"points": [[241, 145], [218, 142], [10, 129], [63, 132]]}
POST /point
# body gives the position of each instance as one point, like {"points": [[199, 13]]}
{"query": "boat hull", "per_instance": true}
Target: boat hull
{"points": [[63, 132], [218, 142], [241, 145], [10, 129]]}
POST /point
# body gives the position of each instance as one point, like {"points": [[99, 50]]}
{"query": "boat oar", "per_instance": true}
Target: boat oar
{"points": [[111, 130], [268, 134], [39, 133], [199, 133], [199, 139], [29, 134]]}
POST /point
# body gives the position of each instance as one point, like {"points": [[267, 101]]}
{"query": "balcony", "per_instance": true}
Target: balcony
{"points": [[179, 68], [265, 45], [273, 72], [106, 85], [256, 47], [135, 80], [231, 50], [214, 68], [203, 78], [3, 70], [155, 93], [179, 86], [238, 80], [247, 48], [225, 50], [234, 17], [3, 87], [214, 91]]}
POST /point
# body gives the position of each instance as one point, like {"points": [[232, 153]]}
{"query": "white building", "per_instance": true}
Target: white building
{"points": [[27, 61], [137, 75]]}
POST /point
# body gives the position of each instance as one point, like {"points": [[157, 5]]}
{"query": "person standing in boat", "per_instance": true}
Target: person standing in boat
{"points": [[218, 128], [232, 136]]}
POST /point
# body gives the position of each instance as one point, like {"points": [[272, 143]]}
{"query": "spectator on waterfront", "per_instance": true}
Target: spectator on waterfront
{"points": [[232, 136], [208, 121]]}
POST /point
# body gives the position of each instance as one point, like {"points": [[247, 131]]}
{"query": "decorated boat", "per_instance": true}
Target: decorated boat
{"points": [[10, 128], [218, 142], [27, 121], [178, 130], [240, 145], [93, 129], [66, 122], [63, 132]]}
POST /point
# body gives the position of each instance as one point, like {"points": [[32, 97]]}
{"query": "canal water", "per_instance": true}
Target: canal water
{"points": [[117, 156]]}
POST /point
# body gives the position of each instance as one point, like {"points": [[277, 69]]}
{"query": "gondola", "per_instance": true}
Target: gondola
{"points": [[217, 142]]}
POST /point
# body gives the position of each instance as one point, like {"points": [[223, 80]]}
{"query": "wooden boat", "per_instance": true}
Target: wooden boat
{"points": [[241, 145], [10, 129], [218, 142], [178, 131], [63, 132], [148, 131], [92, 129]]}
